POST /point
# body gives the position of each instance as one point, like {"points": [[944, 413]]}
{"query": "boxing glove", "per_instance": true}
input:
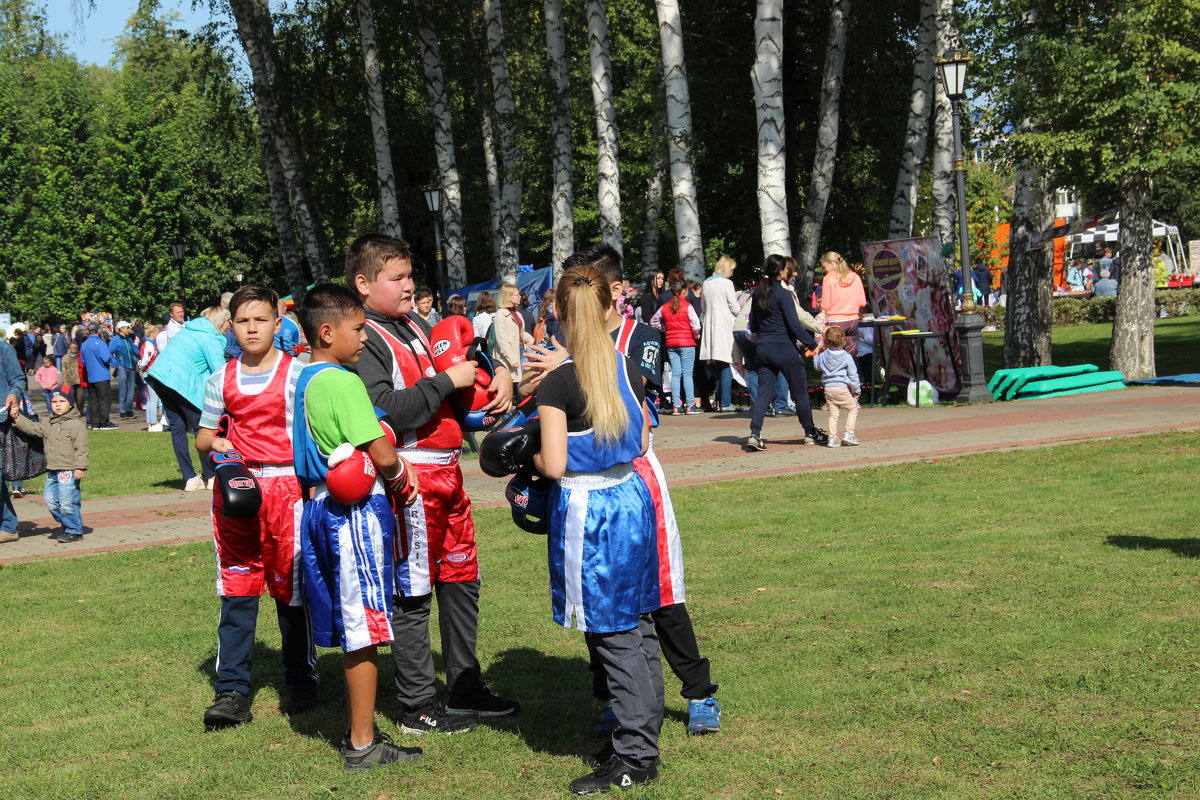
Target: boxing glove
{"points": [[387, 430], [453, 341], [240, 496], [528, 495], [351, 474], [504, 452]]}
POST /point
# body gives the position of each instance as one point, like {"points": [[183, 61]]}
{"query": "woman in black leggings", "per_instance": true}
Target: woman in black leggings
{"points": [[774, 320]]}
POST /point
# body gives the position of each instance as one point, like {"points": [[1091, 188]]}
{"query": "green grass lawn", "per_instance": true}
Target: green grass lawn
{"points": [[1008, 625], [1175, 346]]}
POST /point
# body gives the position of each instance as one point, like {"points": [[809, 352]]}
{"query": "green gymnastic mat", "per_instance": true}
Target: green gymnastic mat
{"points": [[1069, 382], [1006, 382], [1101, 387]]}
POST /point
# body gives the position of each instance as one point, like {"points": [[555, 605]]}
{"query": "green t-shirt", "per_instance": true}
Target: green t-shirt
{"points": [[338, 410]]}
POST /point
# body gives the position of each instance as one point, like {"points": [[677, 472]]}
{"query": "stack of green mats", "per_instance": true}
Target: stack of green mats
{"points": [[1029, 383]]}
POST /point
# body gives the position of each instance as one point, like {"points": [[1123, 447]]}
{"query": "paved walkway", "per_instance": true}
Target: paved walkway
{"points": [[700, 449]]}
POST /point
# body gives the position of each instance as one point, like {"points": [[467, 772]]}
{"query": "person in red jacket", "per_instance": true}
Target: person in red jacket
{"points": [[678, 321]]}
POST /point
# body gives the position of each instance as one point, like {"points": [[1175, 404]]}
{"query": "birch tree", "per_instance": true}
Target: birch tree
{"points": [[281, 212], [826, 154], [943, 130], [510, 153], [443, 146], [679, 140], [562, 195], [256, 33], [608, 179], [385, 176], [491, 173], [767, 77], [916, 135]]}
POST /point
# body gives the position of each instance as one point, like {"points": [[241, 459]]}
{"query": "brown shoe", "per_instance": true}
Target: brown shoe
{"points": [[8, 536]]}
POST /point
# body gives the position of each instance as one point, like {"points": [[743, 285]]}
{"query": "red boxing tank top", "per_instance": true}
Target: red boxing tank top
{"points": [[261, 428], [410, 363]]}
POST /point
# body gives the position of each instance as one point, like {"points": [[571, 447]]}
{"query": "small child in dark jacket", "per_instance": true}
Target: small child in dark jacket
{"points": [[66, 437], [842, 388]]}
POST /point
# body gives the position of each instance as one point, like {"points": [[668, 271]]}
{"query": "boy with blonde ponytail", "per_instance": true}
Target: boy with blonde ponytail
{"points": [[594, 424]]}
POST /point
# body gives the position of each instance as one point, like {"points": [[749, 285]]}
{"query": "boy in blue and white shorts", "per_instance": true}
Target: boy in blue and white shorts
{"points": [[347, 548]]}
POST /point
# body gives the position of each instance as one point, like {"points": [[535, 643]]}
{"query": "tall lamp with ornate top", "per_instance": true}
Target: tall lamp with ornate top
{"points": [[952, 68]]}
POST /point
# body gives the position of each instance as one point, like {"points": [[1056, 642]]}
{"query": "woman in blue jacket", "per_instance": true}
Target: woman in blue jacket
{"points": [[773, 319], [178, 376]]}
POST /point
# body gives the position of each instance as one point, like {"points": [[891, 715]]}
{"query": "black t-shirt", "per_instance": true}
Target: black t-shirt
{"points": [[644, 349], [560, 389]]}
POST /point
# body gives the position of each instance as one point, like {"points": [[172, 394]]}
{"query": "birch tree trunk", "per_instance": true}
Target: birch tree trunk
{"points": [[916, 135], [943, 131], [491, 170], [562, 193], [510, 153], [257, 35], [385, 176], [1133, 328], [651, 235], [1028, 314], [679, 140], [443, 145], [281, 211], [767, 76], [826, 155], [608, 179]]}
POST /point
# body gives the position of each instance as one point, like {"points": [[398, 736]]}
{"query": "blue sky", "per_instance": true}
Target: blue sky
{"points": [[91, 40]]}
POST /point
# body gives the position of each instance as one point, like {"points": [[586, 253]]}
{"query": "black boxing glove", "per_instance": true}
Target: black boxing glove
{"points": [[240, 495], [505, 452]]}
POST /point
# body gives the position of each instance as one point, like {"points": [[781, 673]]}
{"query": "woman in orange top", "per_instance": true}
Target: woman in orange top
{"points": [[842, 297]]}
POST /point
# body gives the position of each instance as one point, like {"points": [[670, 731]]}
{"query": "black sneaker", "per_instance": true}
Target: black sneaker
{"points": [[381, 752], [68, 538], [616, 773], [108, 426], [602, 755], [816, 436], [227, 710], [482, 703], [432, 719]]}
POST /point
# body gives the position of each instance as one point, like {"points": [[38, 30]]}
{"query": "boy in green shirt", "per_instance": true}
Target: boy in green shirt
{"points": [[347, 546]]}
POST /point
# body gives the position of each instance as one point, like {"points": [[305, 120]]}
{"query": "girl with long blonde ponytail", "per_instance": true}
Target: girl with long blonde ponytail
{"points": [[602, 541]]}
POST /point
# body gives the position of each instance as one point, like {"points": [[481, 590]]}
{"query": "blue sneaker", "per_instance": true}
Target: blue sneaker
{"points": [[704, 716], [607, 723]]}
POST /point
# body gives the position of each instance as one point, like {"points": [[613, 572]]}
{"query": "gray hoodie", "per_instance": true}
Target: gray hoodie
{"points": [[837, 368]]}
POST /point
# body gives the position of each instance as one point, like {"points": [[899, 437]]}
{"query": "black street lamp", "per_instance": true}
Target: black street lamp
{"points": [[952, 68], [433, 201], [177, 252]]}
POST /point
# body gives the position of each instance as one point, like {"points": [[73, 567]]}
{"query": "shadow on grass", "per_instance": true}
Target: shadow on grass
{"points": [[557, 709], [1184, 548]]}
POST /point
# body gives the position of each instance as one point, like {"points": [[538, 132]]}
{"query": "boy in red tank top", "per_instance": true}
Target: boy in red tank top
{"points": [[254, 393], [435, 536]]}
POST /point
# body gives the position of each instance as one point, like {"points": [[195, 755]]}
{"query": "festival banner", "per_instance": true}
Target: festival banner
{"points": [[909, 278]]}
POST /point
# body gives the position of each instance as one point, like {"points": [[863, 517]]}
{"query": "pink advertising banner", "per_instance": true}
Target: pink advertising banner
{"points": [[909, 278]]}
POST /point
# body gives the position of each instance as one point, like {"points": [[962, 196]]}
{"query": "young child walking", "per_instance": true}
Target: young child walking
{"points": [[247, 404], [348, 547], [66, 437], [47, 378], [602, 542], [839, 375], [436, 536]]}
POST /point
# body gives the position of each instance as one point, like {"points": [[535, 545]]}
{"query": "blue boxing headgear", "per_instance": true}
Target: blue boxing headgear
{"points": [[528, 493]]}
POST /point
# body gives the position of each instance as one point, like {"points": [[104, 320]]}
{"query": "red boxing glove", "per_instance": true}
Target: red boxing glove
{"points": [[387, 431], [453, 341], [351, 475]]}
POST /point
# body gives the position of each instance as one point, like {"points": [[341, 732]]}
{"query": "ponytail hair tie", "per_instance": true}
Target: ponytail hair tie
{"points": [[581, 280]]}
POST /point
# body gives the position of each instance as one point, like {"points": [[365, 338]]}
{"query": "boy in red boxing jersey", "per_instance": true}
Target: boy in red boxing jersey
{"points": [[435, 537], [254, 392]]}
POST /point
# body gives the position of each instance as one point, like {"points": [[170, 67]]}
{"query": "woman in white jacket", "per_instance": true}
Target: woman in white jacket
{"points": [[719, 303]]}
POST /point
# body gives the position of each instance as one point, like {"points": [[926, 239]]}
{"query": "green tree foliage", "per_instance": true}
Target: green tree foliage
{"points": [[104, 166]]}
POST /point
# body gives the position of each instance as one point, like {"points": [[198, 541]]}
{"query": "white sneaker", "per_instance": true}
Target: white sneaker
{"points": [[156, 428], [834, 442], [194, 484], [849, 439], [210, 483]]}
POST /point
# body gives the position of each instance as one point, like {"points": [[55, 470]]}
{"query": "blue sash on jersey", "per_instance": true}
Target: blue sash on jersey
{"points": [[311, 466]]}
